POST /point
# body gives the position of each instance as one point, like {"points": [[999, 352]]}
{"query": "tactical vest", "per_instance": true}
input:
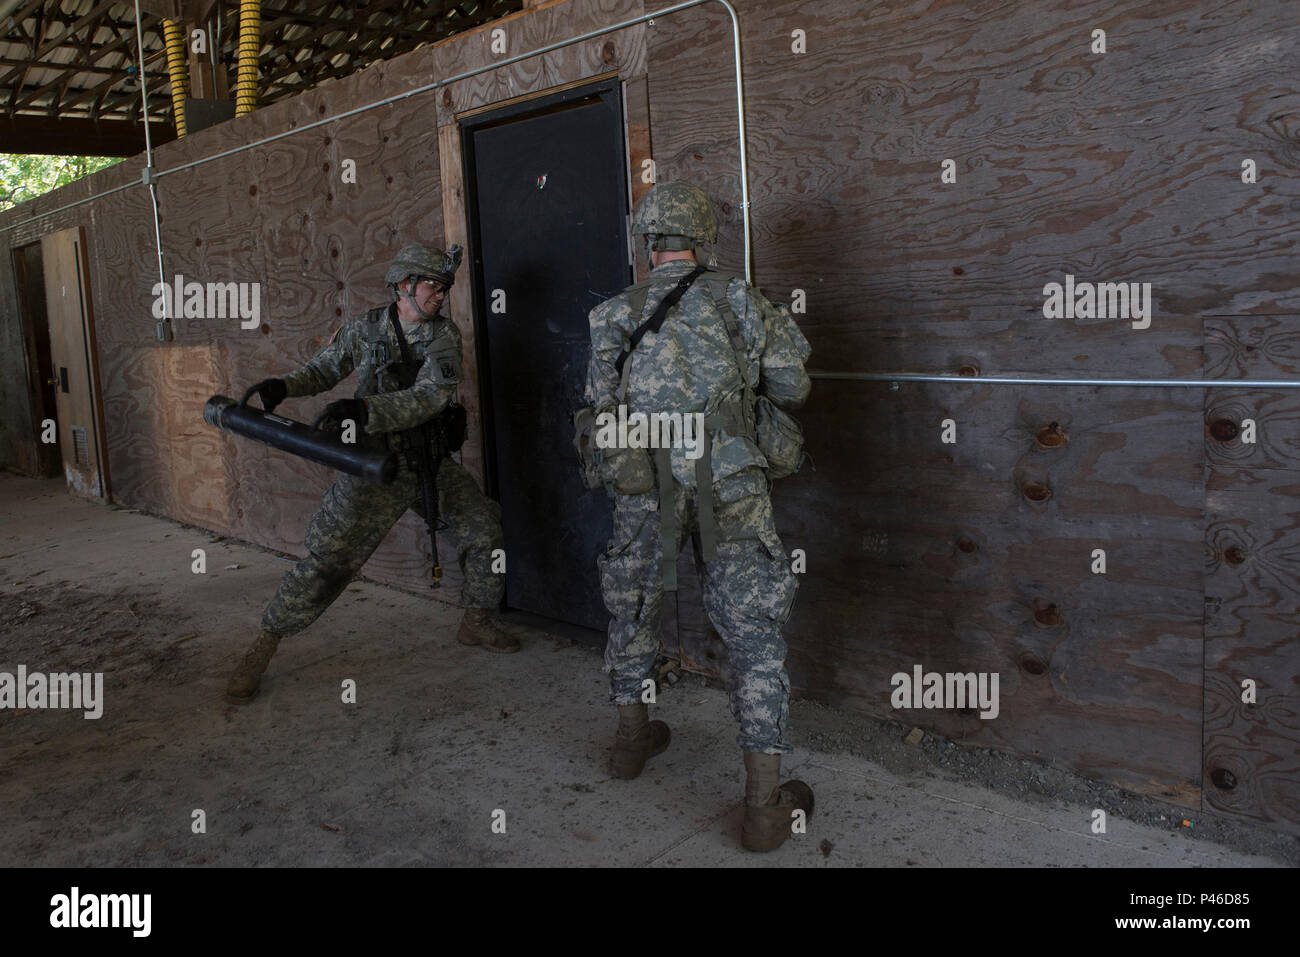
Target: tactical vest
{"points": [[379, 364], [733, 412]]}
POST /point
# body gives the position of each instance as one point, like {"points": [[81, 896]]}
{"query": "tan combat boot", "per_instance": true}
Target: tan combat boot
{"points": [[480, 627], [638, 739], [769, 803], [244, 682]]}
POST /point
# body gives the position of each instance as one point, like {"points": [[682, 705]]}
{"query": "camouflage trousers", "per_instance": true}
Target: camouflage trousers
{"points": [[748, 593], [353, 518]]}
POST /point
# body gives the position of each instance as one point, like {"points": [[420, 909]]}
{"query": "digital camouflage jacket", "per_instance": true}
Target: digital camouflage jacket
{"points": [[690, 365], [367, 345]]}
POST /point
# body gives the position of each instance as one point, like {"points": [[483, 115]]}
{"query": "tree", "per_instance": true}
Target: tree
{"points": [[25, 176]]}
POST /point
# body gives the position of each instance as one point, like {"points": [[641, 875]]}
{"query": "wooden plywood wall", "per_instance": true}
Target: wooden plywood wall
{"points": [[973, 556], [17, 443], [976, 556], [282, 215]]}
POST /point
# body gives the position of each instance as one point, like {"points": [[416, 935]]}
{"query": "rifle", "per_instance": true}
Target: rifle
{"points": [[426, 467], [418, 456]]}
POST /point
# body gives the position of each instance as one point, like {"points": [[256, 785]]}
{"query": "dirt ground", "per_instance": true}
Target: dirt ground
{"points": [[883, 742], [441, 737]]}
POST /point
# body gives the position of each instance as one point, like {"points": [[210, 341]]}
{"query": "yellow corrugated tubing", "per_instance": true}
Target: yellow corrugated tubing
{"points": [[177, 72], [250, 43]]}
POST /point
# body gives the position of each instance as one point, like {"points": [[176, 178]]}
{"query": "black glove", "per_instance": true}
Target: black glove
{"points": [[271, 391], [331, 419]]}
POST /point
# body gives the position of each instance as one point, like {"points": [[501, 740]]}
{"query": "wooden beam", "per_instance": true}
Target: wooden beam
{"points": [[98, 55], [9, 61], [63, 137], [27, 11], [39, 53], [36, 38], [455, 230], [171, 9], [90, 92]]}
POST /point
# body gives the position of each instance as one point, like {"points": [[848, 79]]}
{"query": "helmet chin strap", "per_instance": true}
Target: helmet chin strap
{"points": [[410, 297], [674, 244]]}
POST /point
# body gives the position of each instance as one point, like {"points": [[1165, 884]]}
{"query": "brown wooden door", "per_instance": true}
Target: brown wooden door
{"points": [[72, 349]]}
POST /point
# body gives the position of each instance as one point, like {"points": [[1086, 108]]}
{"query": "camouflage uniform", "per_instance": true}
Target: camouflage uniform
{"points": [[690, 366], [355, 515]]}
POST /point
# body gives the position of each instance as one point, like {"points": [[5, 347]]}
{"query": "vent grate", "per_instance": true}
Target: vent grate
{"points": [[80, 450]]}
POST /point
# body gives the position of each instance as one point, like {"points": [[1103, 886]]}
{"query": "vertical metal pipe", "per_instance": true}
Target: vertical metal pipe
{"points": [[744, 150], [144, 92], [148, 146], [214, 47]]}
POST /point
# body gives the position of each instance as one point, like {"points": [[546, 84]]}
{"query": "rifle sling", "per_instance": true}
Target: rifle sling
{"points": [[656, 321], [418, 441]]}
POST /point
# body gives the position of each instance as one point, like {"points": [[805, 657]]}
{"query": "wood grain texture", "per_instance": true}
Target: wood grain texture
{"points": [[1067, 162], [126, 268], [925, 553], [624, 51], [1099, 165], [461, 299], [31, 221], [71, 318], [640, 148], [1252, 757], [281, 215], [1255, 347], [1252, 575], [1121, 167]]}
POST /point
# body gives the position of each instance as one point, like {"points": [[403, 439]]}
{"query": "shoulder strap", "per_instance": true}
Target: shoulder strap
{"points": [[637, 293], [409, 371], [656, 321], [718, 286], [636, 297]]}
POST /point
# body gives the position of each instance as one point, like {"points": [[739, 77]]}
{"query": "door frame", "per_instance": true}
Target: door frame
{"points": [[451, 161], [89, 347], [490, 116]]}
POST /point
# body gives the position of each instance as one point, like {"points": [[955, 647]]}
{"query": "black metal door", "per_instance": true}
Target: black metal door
{"points": [[547, 204]]}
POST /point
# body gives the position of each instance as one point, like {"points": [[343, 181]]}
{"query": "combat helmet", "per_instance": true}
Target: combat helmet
{"points": [[423, 261], [676, 216]]}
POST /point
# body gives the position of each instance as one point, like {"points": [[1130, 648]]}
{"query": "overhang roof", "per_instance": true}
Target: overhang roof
{"points": [[67, 67]]}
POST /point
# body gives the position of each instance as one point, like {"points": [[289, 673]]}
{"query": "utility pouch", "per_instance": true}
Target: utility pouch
{"points": [[584, 444], [454, 422], [777, 433], [779, 436], [629, 471]]}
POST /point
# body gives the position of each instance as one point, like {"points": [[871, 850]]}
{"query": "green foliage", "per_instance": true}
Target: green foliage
{"points": [[25, 176]]}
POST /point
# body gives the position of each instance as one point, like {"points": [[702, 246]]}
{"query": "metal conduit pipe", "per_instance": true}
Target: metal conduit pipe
{"points": [[148, 176], [893, 378], [592, 34], [177, 71], [250, 44]]}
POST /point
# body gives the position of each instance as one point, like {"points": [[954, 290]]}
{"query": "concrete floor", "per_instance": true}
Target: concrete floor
{"points": [[441, 737]]}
